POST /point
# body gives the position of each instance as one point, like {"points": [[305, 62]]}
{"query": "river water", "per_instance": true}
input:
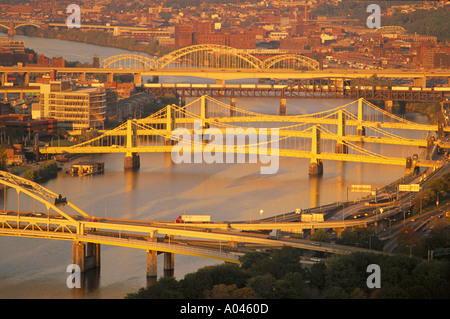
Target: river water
{"points": [[162, 190]]}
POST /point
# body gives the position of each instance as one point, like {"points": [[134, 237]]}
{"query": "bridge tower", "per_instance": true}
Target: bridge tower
{"points": [[11, 30], [341, 146], [132, 159], [316, 165], [360, 130], [283, 105], [204, 112], [170, 124], [420, 82]]}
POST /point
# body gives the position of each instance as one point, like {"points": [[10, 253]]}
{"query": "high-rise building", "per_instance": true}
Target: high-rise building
{"points": [[203, 27], [74, 108], [183, 35]]}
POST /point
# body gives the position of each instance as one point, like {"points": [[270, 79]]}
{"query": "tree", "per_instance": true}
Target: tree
{"points": [[317, 275], [3, 159], [164, 288], [361, 237], [320, 235], [262, 285], [406, 239]]}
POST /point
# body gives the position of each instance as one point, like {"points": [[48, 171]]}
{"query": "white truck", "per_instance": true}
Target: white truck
{"points": [[193, 219]]}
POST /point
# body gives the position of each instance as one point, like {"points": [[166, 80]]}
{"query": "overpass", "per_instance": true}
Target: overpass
{"points": [[223, 63], [88, 232]]}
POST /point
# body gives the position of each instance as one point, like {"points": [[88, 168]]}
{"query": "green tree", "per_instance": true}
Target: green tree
{"points": [[164, 288], [317, 275], [360, 237], [262, 285], [3, 159], [320, 235]]}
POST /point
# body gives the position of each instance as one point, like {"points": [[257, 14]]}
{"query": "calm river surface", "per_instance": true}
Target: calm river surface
{"points": [[162, 190]]}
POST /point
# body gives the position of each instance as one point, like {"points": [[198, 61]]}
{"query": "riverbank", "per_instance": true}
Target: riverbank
{"points": [[429, 109], [98, 38]]}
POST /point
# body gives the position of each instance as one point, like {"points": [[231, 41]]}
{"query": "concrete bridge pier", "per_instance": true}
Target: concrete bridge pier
{"points": [[282, 106], [152, 263], [361, 131], [338, 231], [137, 79], [169, 264], [132, 161], [411, 166], [11, 33], [86, 256], [26, 79], [420, 82], [315, 167], [4, 78]]}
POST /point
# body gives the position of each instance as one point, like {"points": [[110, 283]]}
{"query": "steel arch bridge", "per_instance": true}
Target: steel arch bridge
{"points": [[128, 61], [291, 61], [209, 56], [20, 25], [390, 28]]}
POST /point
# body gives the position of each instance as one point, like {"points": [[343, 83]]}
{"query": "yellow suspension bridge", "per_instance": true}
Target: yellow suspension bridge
{"points": [[337, 134]]}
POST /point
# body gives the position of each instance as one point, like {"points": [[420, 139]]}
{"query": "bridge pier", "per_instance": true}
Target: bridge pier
{"points": [[26, 79], [360, 130], [152, 263], [420, 82], [389, 106], [232, 106], [282, 106], [137, 79], [315, 167], [11, 33], [132, 161], [338, 231], [411, 166], [86, 256], [110, 77]]}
